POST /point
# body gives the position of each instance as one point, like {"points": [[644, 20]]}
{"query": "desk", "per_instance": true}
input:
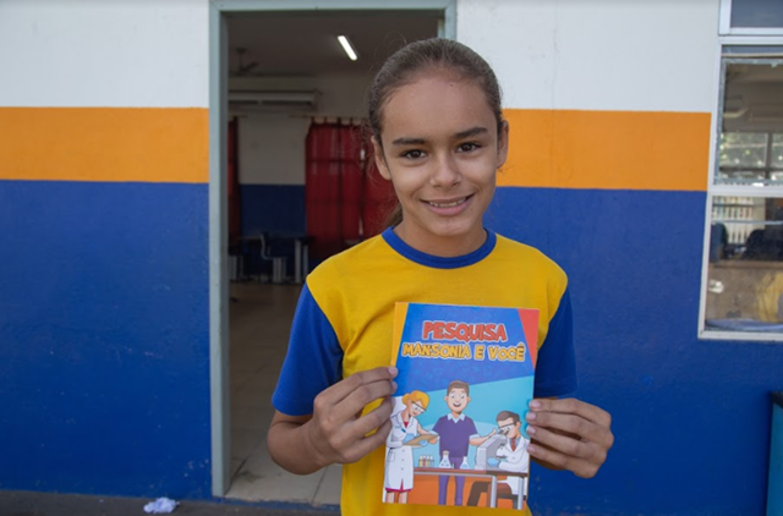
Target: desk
{"points": [[491, 474], [301, 245]]}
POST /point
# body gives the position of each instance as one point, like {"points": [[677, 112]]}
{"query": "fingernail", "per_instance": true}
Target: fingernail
{"points": [[531, 430], [535, 404], [531, 449], [394, 386], [393, 371], [530, 416]]}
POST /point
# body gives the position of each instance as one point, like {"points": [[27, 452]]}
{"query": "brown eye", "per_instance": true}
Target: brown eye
{"points": [[467, 147], [413, 154]]}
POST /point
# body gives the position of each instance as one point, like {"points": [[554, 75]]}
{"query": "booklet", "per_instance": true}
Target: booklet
{"points": [[464, 385]]}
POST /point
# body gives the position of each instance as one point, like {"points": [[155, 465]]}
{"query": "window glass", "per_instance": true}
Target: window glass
{"points": [[750, 147], [743, 149], [756, 13], [745, 272], [776, 158]]}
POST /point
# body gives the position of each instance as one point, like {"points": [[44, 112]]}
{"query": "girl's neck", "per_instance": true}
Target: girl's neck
{"points": [[442, 246]]}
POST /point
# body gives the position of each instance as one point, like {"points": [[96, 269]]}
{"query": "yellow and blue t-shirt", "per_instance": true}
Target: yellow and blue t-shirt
{"points": [[345, 316]]}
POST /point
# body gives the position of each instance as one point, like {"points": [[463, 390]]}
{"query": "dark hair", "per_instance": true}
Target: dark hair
{"points": [[505, 414], [436, 54], [457, 384]]}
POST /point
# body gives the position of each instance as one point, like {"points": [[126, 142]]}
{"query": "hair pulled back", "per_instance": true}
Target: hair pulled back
{"points": [[436, 54], [429, 55]]}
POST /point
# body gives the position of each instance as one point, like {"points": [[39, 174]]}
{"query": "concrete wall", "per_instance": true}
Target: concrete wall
{"points": [[104, 313], [103, 262], [609, 105]]}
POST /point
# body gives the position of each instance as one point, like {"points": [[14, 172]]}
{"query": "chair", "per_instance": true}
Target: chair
{"points": [[278, 262]]}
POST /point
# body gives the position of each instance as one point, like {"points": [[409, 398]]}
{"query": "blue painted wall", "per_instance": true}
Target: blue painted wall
{"points": [[775, 484], [691, 417], [273, 208], [104, 338], [105, 366]]}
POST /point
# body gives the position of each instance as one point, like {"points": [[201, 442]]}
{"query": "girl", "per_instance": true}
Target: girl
{"points": [[399, 451], [439, 136]]}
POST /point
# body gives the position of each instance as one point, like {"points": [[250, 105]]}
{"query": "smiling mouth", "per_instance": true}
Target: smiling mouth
{"points": [[449, 204]]}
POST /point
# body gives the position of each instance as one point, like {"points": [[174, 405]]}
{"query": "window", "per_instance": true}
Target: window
{"points": [[742, 296], [751, 17]]}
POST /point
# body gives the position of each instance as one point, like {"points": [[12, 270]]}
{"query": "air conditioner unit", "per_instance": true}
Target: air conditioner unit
{"points": [[301, 101]]}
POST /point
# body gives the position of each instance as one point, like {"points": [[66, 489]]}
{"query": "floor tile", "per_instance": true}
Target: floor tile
{"points": [[328, 492], [259, 327], [261, 479]]}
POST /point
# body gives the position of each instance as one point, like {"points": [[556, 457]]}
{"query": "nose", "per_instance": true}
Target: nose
{"points": [[446, 171]]}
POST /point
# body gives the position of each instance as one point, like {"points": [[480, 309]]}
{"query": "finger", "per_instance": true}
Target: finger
{"points": [[366, 394], [367, 444], [571, 424], [372, 420], [579, 467], [345, 387], [567, 445], [573, 406]]}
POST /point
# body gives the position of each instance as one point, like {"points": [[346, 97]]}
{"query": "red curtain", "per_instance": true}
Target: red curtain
{"points": [[344, 195]]}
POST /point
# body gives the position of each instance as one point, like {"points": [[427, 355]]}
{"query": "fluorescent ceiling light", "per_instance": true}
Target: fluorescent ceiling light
{"points": [[347, 47]]}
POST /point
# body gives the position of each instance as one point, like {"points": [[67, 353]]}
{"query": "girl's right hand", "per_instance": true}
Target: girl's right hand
{"points": [[337, 431]]}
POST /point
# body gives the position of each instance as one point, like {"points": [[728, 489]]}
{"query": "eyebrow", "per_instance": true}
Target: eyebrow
{"points": [[473, 131]]}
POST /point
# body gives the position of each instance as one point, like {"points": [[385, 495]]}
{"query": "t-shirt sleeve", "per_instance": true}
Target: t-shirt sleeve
{"points": [[556, 364], [313, 361]]}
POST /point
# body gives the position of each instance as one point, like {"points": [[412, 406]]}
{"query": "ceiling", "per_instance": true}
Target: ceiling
{"points": [[305, 44], [753, 100]]}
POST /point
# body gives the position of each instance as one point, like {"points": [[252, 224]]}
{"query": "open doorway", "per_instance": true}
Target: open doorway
{"points": [[285, 77]]}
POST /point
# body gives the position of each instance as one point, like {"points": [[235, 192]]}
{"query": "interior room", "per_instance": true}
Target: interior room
{"points": [[301, 188], [745, 285]]}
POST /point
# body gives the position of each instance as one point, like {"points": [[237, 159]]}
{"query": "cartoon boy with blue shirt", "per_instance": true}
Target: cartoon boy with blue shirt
{"points": [[457, 432]]}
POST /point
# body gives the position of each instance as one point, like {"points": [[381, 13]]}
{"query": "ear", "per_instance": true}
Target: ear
{"points": [[503, 144], [380, 161]]}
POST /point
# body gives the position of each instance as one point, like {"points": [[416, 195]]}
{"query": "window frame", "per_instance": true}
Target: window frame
{"points": [[732, 37]]}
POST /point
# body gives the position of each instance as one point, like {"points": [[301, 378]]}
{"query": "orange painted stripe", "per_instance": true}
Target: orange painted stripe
{"points": [[165, 145], [607, 150]]}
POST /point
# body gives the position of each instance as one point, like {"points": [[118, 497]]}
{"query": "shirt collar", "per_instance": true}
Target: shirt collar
{"points": [[439, 262], [452, 418]]}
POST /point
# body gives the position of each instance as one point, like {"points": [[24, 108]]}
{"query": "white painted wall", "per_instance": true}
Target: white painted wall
{"points": [[272, 145], [272, 149], [104, 53], [631, 55], [342, 95]]}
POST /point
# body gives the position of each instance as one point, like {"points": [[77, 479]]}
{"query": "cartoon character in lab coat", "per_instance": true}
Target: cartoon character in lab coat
{"points": [[513, 457], [405, 434]]}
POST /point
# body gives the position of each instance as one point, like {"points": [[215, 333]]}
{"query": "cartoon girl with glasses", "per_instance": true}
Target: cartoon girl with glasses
{"points": [[398, 480]]}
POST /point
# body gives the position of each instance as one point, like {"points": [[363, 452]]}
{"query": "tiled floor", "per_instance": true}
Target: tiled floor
{"points": [[260, 320]]}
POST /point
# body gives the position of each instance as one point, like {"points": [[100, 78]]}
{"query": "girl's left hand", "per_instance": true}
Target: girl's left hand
{"points": [[569, 434]]}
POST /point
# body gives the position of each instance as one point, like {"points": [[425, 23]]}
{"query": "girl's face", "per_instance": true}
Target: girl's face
{"points": [[441, 151]]}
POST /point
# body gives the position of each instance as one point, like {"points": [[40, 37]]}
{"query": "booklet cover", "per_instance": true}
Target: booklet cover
{"points": [[464, 384]]}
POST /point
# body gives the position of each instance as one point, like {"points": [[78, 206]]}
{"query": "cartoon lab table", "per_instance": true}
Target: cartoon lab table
{"points": [[491, 474]]}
